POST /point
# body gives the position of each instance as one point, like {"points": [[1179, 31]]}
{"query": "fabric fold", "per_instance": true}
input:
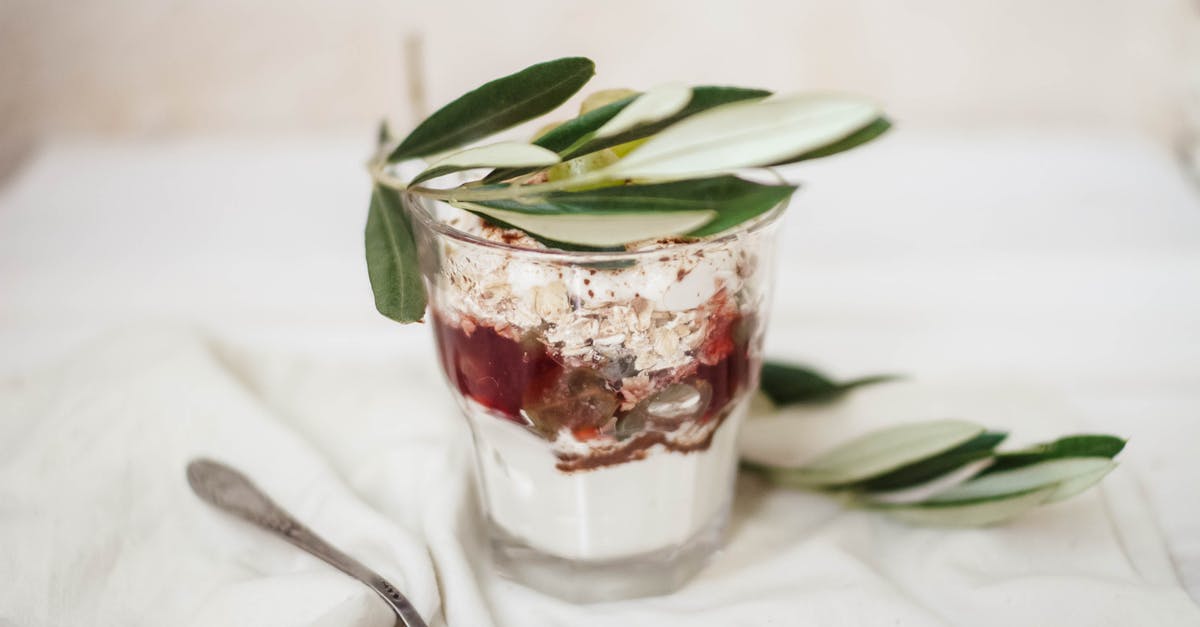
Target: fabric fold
{"points": [[98, 525]]}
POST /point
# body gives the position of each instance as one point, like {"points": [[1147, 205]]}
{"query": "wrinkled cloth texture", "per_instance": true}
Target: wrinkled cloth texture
{"points": [[100, 527], [167, 298]]}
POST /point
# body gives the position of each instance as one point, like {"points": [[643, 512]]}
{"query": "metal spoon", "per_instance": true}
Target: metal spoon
{"points": [[231, 491]]}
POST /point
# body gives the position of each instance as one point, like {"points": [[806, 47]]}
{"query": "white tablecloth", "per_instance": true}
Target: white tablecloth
{"points": [[1042, 282]]}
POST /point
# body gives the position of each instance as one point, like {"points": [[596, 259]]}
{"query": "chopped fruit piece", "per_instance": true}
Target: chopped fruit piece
{"points": [[577, 398], [490, 368], [720, 342], [510, 375], [730, 373], [631, 423], [586, 433]]}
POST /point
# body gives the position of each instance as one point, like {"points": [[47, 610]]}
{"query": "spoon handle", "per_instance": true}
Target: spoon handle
{"points": [[231, 491]]}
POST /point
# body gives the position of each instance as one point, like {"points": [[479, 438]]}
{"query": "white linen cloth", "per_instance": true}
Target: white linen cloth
{"points": [[1032, 281], [104, 530]]}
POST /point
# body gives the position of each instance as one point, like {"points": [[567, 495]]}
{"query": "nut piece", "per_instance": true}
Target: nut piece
{"points": [[550, 301]]}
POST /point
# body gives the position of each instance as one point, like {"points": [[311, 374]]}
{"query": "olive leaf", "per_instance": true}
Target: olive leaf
{"points": [[923, 471], [497, 105], [949, 472], [972, 513], [746, 134], [1086, 445], [575, 137], [854, 140], [657, 104], [789, 384], [1002, 496], [569, 132], [1023, 479], [704, 98], [610, 216], [596, 230], [392, 258], [876, 453], [501, 154]]}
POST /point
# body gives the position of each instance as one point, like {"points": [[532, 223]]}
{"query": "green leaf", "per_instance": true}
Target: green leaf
{"points": [[867, 133], [1085, 445], [507, 154], [877, 453], [598, 230], [731, 212], [497, 105], [1070, 487], [926, 470], [564, 135], [655, 105], [1034, 477], [571, 132], [970, 514], [392, 258], [703, 99], [745, 134], [547, 242], [789, 384], [616, 215]]}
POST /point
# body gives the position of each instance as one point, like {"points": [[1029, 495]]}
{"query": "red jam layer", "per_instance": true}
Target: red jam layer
{"points": [[507, 376]]}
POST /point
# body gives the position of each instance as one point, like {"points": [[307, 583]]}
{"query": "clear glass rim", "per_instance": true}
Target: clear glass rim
{"points": [[419, 207]]}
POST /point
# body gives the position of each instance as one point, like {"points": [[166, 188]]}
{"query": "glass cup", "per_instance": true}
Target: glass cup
{"points": [[604, 391]]}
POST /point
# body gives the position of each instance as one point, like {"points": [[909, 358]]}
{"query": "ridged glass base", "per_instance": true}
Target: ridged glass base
{"points": [[589, 581]]}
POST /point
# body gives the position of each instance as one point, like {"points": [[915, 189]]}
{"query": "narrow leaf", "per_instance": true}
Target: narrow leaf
{"points": [[923, 491], [867, 133], [571, 132], [789, 384], [747, 134], [715, 193], [620, 214], [703, 99], [1036, 476], [1070, 487], [565, 135], [392, 258], [1071, 446], [545, 241], [926, 470], [501, 154], [971, 514], [598, 229], [654, 105], [757, 201], [877, 453], [497, 105]]}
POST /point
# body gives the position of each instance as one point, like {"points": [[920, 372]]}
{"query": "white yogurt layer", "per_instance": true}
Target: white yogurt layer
{"points": [[604, 513]]}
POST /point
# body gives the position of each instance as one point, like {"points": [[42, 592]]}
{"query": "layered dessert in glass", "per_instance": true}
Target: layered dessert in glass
{"points": [[604, 391]]}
